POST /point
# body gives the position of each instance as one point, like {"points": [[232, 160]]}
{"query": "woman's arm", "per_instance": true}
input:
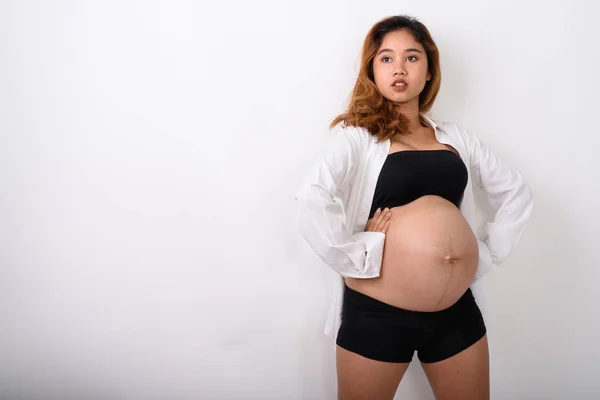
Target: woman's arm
{"points": [[322, 214], [509, 196]]}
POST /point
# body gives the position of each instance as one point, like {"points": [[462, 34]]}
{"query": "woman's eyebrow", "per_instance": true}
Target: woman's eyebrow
{"points": [[406, 51]]}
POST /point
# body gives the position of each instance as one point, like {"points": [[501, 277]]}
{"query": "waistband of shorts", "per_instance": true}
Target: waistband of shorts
{"points": [[354, 300]]}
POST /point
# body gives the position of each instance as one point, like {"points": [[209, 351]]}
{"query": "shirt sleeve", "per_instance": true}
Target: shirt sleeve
{"points": [[511, 200], [322, 212]]}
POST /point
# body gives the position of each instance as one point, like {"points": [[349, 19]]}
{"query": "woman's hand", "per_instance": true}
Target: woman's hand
{"points": [[380, 221]]}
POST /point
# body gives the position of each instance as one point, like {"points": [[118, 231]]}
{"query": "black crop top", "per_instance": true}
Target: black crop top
{"points": [[407, 175]]}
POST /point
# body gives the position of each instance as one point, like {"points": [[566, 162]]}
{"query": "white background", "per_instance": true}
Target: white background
{"points": [[149, 154]]}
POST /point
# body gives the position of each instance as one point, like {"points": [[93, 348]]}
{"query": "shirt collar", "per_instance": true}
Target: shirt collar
{"points": [[430, 122]]}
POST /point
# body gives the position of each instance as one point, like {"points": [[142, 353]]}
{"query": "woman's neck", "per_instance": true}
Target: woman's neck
{"points": [[412, 115]]}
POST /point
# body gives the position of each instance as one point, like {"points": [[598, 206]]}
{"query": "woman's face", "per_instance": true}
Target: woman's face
{"points": [[400, 67]]}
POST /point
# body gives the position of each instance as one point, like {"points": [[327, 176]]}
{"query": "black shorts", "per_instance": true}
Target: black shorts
{"points": [[382, 332]]}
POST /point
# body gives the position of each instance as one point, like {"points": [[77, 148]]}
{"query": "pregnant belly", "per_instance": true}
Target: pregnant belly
{"points": [[430, 257]]}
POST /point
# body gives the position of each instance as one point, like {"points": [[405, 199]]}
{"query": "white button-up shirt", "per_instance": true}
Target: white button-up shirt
{"points": [[335, 200]]}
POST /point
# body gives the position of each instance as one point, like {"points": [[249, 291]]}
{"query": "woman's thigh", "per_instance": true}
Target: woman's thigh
{"points": [[464, 376], [456, 361], [363, 378]]}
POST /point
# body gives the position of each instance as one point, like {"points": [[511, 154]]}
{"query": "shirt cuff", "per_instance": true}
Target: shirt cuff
{"points": [[485, 261], [374, 243]]}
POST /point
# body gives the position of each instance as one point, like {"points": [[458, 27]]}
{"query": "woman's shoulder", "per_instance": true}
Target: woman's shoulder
{"points": [[454, 130], [358, 135], [449, 127], [350, 129]]}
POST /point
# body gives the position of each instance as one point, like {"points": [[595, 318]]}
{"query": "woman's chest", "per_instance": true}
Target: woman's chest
{"points": [[368, 168]]}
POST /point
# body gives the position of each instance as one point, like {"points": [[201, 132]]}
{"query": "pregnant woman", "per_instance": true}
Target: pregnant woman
{"points": [[390, 208]]}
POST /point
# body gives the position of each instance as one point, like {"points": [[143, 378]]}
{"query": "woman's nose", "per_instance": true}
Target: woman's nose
{"points": [[399, 69]]}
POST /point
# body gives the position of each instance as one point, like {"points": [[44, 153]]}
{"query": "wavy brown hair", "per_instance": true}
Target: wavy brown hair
{"points": [[368, 108]]}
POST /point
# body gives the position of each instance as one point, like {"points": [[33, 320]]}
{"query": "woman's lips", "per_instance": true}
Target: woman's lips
{"points": [[400, 88]]}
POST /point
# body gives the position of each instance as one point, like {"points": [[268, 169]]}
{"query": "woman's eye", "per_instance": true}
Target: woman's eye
{"points": [[385, 58], [414, 58]]}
